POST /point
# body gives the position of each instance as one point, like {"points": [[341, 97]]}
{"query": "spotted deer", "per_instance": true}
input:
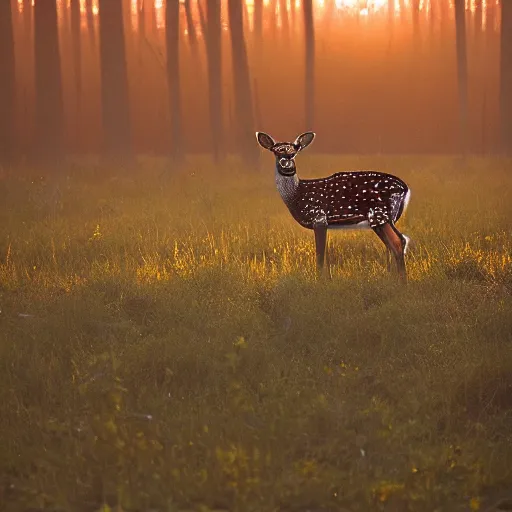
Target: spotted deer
{"points": [[344, 200]]}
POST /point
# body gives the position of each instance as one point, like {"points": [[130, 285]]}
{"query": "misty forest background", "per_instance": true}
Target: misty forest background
{"points": [[165, 341], [128, 77]]}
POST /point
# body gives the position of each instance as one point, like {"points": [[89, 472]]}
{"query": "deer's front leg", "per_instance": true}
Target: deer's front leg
{"points": [[320, 245]]}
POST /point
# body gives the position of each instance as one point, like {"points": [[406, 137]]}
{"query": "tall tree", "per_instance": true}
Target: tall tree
{"points": [[506, 77], [27, 16], [77, 61], [257, 64], [309, 32], [172, 39], [7, 85], [114, 81], [432, 16], [490, 21], [213, 51], [191, 29], [478, 21], [462, 71], [244, 113], [49, 103], [416, 22], [283, 12], [90, 23], [141, 25], [391, 22], [401, 4], [271, 7], [391, 13], [444, 20], [258, 19]]}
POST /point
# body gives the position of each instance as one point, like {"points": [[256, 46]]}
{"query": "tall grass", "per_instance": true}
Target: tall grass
{"points": [[166, 345]]}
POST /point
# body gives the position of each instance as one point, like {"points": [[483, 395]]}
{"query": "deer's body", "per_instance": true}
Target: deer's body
{"points": [[345, 200]]}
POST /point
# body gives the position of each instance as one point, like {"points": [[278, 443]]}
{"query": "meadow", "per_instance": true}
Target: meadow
{"points": [[165, 344]]}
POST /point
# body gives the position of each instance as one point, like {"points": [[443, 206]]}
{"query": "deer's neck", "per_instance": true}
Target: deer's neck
{"points": [[287, 186]]}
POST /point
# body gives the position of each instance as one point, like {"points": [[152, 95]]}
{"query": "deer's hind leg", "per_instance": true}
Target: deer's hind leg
{"points": [[389, 257], [395, 242]]}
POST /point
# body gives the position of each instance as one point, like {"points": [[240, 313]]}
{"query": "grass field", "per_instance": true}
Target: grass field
{"points": [[165, 345]]}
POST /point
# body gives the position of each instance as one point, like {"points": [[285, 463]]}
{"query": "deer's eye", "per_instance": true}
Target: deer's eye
{"points": [[286, 150]]}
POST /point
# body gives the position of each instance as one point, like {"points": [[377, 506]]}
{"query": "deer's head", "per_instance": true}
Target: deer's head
{"points": [[285, 152]]}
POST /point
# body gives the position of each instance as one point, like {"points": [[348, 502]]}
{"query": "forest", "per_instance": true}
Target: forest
{"points": [[144, 77]]}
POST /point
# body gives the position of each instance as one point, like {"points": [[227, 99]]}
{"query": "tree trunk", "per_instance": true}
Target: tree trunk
{"points": [[114, 81], [244, 114], [191, 28], [489, 24], [90, 23], [462, 71], [285, 29], [309, 32], [293, 14], [27, 16], [416, 23], [213, 50], [506, 77], [49, 129], [7, 85], [433, 14], [391, 23], [141, 24], [401, 4], [391, 14], [271, 8], [76, 36], [445, 22], [478, 22], [172, 38], [258, 19]]}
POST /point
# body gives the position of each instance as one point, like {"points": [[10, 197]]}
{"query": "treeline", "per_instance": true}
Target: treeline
{"points": [[48, 143]]}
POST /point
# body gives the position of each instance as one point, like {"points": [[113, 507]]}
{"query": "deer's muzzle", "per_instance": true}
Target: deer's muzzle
{"points": [[286, 163]]}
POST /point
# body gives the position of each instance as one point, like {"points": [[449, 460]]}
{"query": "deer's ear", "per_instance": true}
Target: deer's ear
{"points": [[265, 140], [304, 140]]}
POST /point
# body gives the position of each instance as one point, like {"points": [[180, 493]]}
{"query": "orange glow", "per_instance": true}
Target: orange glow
{"points": [[356, 32], [366, 8]]}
